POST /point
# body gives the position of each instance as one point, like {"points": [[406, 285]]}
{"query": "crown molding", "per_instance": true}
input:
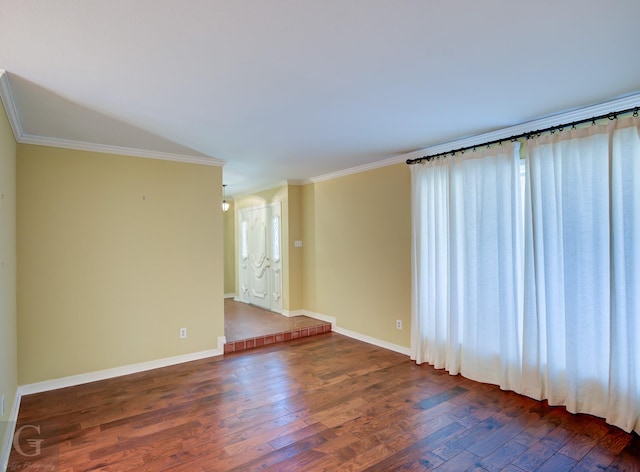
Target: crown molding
{"points": [[623, 103], [264, 188], [298, 181], [565, 117], [123, 151], [6, 95], [365, 167]]}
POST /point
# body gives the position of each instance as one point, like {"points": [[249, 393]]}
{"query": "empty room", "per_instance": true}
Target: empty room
{"points": [[319, 235]]}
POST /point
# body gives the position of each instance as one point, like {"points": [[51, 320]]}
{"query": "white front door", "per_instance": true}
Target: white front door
{"points": [[260, 262], [259, 258]]}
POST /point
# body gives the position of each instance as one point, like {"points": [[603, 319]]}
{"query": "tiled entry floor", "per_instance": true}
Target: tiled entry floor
{"points": [[247, 326]]}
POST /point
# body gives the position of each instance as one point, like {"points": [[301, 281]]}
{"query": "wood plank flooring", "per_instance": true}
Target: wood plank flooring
{"points": [[325, 402]]}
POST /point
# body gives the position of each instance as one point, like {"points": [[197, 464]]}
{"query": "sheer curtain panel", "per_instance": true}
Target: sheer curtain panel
{"points": [[582, 296], [624, 377], [467, 265], [542, 298], [567, 271]]}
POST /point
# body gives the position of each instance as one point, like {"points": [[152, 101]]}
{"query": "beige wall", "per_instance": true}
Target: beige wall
{"points": [[115, 254], [295, 253], [229, 224], [8, 314], [309, 279], [357, 261]]}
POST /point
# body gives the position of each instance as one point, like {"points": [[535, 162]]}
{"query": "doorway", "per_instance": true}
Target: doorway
{"points": [[260, 257]]}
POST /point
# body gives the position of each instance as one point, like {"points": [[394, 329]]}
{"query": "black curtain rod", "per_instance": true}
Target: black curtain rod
{"points": [[528, 135]]}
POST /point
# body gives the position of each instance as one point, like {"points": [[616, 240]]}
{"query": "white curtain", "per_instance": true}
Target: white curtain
{"points": [[567, 269], [553, 313], [624, 376], [467, 265], [582, 280]]}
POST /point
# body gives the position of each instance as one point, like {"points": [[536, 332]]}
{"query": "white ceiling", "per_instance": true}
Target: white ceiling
{"points": [[294, 89]]}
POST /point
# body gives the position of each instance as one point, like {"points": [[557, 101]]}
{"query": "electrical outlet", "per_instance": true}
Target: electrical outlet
{"points": [[183, 333], [398, 324]]}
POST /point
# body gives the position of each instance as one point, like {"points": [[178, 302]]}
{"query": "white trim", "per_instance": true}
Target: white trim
{"points": [[279, 184], [79, 379], [540, 123], [376, 342], [365, 167], [222, 340], [123, 151], [6, 95], [5, 450], [298, 181], [321, 317], [282, 183], [290, 314], [352, 334], [230, 295]]}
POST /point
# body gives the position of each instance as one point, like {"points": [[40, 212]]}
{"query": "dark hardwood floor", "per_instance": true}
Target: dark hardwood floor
{"points": [[325, 402]]}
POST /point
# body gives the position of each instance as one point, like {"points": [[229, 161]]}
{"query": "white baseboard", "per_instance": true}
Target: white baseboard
{"points": [[321, 317], [79, 379], [355, 335], [230, 295], [5, 450], [376, 342], [289, 314]]}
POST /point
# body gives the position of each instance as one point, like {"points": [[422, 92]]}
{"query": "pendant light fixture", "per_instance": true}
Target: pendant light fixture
{"points": [[225, 203]]}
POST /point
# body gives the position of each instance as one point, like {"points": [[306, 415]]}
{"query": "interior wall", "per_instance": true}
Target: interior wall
{"points": [[308, 226], [8, 311], [229, 225], [360, 253], [261, 199], [295, 253], [116, 254]]}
